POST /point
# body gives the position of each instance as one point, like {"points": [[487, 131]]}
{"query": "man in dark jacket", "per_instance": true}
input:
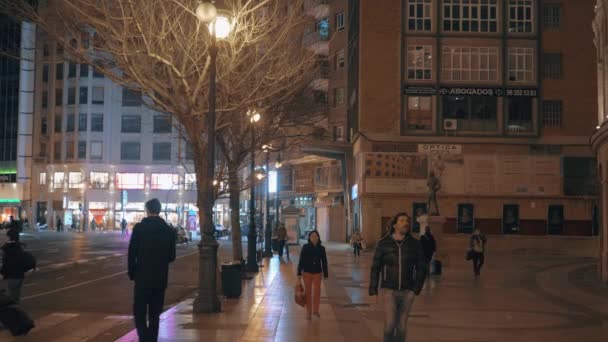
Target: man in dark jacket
{"points": [[400, 260], [13, 270], [429, 246], [151, 249]]}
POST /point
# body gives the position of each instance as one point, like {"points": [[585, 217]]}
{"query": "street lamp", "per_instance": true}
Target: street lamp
{"points": [[207, 300], [252, 265], [268, 232], [278, 164]]}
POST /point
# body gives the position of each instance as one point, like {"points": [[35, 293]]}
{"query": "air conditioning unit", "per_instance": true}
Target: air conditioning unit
{"points": [[450, 124]]}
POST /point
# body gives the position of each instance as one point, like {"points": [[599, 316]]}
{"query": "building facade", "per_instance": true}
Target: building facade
{"points": [[599, 139], [487, 95]]}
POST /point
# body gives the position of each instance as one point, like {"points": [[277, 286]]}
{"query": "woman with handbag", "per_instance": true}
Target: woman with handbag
{"points": [[313, 263], [477, 250]]}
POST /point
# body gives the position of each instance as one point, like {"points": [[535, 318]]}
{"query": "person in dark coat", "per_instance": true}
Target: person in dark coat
{"points": [[477, 244], [12, 267], [429, 246], [313, 264], [151, 250], [400, 262], [282, 238]]}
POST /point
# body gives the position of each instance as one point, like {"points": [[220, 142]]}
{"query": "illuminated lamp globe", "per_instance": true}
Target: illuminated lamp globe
{"points": [[206, 12]]}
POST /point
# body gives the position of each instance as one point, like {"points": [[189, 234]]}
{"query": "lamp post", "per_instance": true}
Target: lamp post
{"points": [[252, 264], [268, 232], [207, 300], [278, 165]]}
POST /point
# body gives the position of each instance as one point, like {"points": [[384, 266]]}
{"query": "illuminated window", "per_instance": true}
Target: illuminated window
{"points": [[58, 179], [130, 181], [42, 178], [75, 180], [190, 181], [99, 180], [164, 181]]}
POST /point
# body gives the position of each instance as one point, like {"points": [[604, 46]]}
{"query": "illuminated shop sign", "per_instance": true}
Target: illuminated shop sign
{"points": [[461, 91], [8, 178]]}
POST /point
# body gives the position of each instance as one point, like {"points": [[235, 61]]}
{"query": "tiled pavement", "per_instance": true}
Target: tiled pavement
{"points": [[532, 297]]}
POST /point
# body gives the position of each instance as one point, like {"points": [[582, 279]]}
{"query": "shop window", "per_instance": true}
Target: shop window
{"points": [[130, 181], [473, 113], [419, 16], [58, 180], [164, 181], [519, 117], [99, 180], [419, 113], [75, 180], [130, 151], [510, 219]]}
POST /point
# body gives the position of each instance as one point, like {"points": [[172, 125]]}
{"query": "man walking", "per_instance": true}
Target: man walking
{"points": [[400, 260], [151, 249], [429, 246], [282, 237], [15, 263], [123, 226]]}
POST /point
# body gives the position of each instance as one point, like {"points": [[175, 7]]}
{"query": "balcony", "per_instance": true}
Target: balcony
{"points": [[328, 179], [319, 9], [320, 81], [317, 41]]}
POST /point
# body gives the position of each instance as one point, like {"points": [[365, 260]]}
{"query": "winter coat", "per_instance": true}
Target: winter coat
{"points": [[12, 267], [313, 260]]}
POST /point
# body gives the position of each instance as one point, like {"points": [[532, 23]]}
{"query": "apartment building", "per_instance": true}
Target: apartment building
{"points": [[496, 97]]}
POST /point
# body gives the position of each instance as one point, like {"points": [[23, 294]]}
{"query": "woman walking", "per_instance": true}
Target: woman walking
{"points": [[477, 251], [357, 242], [313, 262]]}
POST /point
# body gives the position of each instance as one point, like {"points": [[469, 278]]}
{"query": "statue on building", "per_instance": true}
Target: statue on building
{"points": [[434, 185]]}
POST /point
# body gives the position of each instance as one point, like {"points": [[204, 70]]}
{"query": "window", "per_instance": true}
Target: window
{"points": [[162, 124], [555, 219], [75, 180], [419, 113], [190, 181], [82, 150], [42, 178], [84, 95], [42, 151], [82, 122], [45, 99], [470, 15], [161, 151], [552, 113], [71, 95], [96, 73], [57, 151], [72, 70], [552, 16], [419, 15], [45, 50], [58, 123], [340, 21], [71, 123], [44, 125], [338, 133], [131, 124], [96, 151], [58, 180], [510, 219], [69, 150], [474, 113], [339, 96], [129, 181], [552, 65], [470, 63], [322, 28], [130, 151], [340, 60], [131, 98], [59, 50], [99, 180], [519, 117], [59, 71], [164, 181], [520, 16], [84, 70], [419, 62], [97, 97], [58, 97], [96, 122], [521, 64], [45, 73]]}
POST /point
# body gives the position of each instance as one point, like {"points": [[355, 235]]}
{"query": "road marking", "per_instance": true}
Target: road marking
{"points": [[29, 284], [58, 278], [83, 272], [88, 282]]}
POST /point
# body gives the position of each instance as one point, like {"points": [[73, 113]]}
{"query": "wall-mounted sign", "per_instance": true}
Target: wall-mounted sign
{"points": [[8, 178], [420, 90], [439, 148], [508, 92]]}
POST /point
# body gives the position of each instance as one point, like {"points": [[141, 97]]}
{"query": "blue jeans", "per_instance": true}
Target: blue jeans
{"points": [[397, 307]]}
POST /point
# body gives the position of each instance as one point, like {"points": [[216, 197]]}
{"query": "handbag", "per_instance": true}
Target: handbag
{"points": [[469, 255], [300, 295]]}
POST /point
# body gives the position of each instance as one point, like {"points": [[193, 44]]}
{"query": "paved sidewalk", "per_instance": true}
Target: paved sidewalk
{"points": [[525, 298]]}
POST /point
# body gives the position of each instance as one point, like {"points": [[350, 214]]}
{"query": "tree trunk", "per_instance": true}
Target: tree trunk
{"points": [[235, 222]]}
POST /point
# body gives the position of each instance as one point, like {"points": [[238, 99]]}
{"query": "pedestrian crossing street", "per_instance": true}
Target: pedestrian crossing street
{"points": [[73, 327]]}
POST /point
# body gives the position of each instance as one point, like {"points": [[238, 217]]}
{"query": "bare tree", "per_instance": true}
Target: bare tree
{"points": [[160, 48]]}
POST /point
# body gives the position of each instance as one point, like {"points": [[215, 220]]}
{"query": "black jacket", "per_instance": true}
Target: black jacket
{"points": [[481, 238], [313, 260], [12, 267], [151, 249], [401, 265], [429, 246]]}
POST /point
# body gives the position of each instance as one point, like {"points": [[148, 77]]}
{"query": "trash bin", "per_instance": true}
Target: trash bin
{"points": [[231, 279]]}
